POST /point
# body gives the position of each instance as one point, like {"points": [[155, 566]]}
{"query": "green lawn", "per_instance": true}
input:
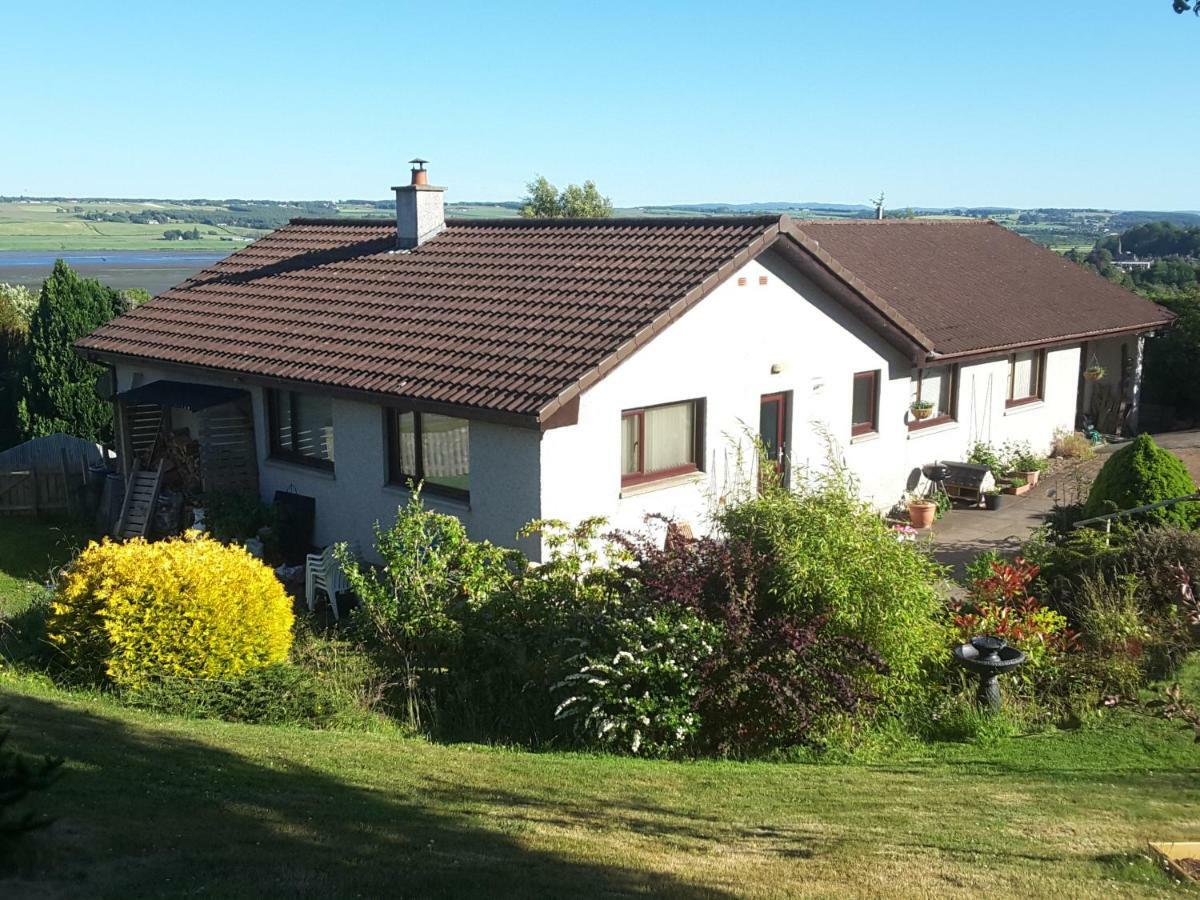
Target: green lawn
{"points": [[30, 549], [152, 806], [155, 806]]}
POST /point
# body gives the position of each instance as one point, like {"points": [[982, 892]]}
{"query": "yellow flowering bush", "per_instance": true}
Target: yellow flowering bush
{"points": [[190, 607]]}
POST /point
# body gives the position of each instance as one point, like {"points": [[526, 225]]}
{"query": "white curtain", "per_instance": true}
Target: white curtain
{"points": [[629, 445], [1023, 376], [445, 446], [935, 387], [406, 444], [670, 437]]}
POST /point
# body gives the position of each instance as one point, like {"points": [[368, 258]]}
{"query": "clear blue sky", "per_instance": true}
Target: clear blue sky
{"points": [[1023, 103]]}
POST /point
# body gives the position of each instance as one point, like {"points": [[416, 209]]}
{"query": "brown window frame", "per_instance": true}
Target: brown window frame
{"points": [[858, 429], [273, 398], [952, 416], [643, 477], [396, 476], [1039, 394]]}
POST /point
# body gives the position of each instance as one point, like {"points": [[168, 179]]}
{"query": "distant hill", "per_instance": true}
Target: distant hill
{"points": [[52, 224]]}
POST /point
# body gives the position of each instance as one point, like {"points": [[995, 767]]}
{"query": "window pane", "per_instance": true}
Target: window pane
{"points": [[768, 427], [931, 388], [445, 451], [282, 405], [629, 445], [670, 437], [312, 429], [1024, 375], [863, 407], [946, 393], [404, 435]]}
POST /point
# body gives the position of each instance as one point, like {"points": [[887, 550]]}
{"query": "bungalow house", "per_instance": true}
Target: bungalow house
{"points": [[530, 369]]}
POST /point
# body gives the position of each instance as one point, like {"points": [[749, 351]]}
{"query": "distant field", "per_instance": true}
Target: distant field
{"points": [[54, 226]]}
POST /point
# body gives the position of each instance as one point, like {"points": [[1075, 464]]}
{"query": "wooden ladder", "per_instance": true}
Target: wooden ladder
{"points": [[137, 512]]}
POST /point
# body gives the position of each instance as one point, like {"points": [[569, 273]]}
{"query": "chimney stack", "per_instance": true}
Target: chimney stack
{"points": [[420, 209]]}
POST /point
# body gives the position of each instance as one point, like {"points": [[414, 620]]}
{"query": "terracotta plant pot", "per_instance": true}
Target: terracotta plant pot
{"points": [[1018, 490], [1031, 478], [920, 412], [921, 513]]}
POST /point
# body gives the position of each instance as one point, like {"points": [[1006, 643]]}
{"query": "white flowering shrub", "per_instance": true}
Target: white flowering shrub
{"points": [[641, 699]]}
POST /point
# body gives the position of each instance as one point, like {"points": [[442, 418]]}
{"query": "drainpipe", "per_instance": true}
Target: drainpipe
{"points": [[1135, 386]]}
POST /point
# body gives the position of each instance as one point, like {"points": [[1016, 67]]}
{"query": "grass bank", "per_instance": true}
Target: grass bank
{"points": [[154, 806]]}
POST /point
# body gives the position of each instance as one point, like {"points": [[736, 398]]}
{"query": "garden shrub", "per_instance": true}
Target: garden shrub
{"points": [[235, 516], [327, 683], [188, 607], [278, 694], [642, 699], [1072, 445], [773, 680], [1001, 605], [411, 610], [827, 553], [1142, 473], [984, 454]]}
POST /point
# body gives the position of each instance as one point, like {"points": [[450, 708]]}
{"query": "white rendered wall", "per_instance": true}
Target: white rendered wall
{"points": [[723, 350], [351, 498]]}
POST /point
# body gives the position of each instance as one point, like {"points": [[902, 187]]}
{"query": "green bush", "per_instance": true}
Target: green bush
{"points": [[1139, 474], [828, 553], [327, 683], [189, 607], [411, 610], [234, 517], [279, 694]]}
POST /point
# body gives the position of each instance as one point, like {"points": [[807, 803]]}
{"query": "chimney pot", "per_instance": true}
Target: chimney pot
{"points": [[420, 209]]}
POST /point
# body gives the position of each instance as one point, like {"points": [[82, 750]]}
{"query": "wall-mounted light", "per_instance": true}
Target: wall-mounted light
{"points": [[776, 368]]}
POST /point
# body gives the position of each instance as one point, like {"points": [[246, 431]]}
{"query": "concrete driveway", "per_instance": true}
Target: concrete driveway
{"points": [[965, 532]]}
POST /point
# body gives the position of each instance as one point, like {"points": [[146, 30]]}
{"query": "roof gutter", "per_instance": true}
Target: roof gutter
{"points": [[475, 413], [983, 352]]}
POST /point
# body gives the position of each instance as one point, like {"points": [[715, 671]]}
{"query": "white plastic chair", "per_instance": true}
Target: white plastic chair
{"points": [[322, 573]]}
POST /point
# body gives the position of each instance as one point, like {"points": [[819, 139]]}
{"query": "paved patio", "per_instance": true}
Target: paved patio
{"points": [[966, 532]]}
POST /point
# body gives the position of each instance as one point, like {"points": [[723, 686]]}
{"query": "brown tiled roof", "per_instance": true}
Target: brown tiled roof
{"points": [[514, 318], [975, 286], [508, 316]]}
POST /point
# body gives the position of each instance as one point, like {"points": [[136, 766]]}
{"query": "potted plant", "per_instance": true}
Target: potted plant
{"points": [[993, 498], [921, 409], [1023, 463], [1016, 485], [921, 511], [1094, 372]]}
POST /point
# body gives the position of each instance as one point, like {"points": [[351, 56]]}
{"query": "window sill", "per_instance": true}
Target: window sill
{"points": [[864, 437], [940, 426], [1024, 406], [456, 504], [289, 466], [658, 484]]}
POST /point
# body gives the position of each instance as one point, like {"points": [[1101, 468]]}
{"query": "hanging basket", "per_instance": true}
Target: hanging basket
{"points": [[921, 412], [1094, 373]]}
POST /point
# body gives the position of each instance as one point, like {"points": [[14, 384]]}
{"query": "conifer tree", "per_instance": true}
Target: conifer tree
{"points": [[59, 387]]}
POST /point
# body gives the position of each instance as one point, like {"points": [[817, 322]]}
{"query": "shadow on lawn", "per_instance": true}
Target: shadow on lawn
{"points": [[152, 813]]}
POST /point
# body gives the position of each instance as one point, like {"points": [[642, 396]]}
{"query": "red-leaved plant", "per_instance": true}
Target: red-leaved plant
{"points": [[1001, 605]]}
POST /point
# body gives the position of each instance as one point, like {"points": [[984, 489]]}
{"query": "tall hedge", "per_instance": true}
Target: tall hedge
{"points": [[58, 387], [1139, 474]]}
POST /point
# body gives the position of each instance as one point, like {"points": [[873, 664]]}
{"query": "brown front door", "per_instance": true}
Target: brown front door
{"points": [[772, 430]]}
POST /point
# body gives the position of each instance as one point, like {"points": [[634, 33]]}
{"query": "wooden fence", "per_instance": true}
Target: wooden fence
{"points": [[44, 490]]}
